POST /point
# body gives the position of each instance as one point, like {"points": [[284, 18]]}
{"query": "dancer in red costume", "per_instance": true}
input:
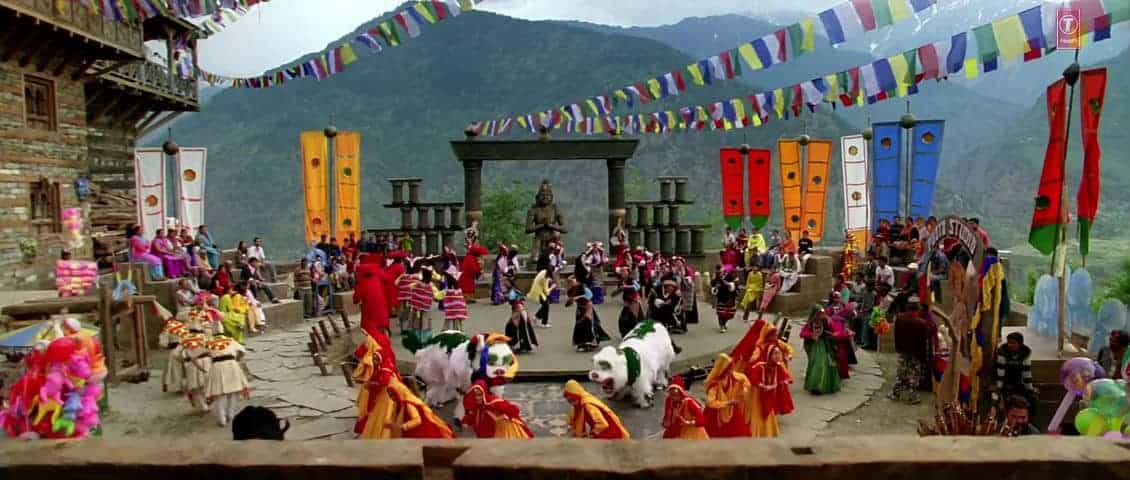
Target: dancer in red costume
{"points": [[471, 270], [726, 387], [376, 370], [682, 413], [372, 283], [492, 417]]}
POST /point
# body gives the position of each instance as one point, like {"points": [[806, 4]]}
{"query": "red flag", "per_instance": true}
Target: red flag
{"points": [[733, 170], [759, 188], [679, 83], [1046, 218], [1091, 107]]}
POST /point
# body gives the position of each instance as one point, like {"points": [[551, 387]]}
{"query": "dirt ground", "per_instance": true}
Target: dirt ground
{"points": [[881, 415]]}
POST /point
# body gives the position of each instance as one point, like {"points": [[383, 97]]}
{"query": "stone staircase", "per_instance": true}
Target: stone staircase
{"points": [[812, 286]]}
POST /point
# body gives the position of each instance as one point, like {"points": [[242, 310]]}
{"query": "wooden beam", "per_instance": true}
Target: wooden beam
{"points": [[20, 44], [124, 118], [102, 71], [146, 120], [102, 111], [82, 68], [42, 48], [159, 123]]}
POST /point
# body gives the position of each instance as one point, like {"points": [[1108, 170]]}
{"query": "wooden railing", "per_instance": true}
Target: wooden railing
{"points": [[156, 79], [76, 18]]}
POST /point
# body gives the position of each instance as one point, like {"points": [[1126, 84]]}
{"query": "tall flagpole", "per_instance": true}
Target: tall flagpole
{"points": [[1071, 76], [331, 162], [907, 122]]}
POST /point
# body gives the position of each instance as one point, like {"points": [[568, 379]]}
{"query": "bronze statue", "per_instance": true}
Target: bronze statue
{"points": [[544, 220]]}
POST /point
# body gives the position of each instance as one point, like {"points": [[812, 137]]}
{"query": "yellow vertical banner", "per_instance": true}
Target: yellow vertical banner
{"points": [[347, 149], [314, 178], [816, 187], [789, 153]]}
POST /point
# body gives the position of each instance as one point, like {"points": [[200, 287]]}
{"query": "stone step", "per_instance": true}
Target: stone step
{"points": [[284, 315], [280, 289], [820, 265], [343, 302]]}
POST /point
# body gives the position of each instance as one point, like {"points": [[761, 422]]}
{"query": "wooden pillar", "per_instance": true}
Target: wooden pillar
{"points": [[616, 202], [473, 190]]}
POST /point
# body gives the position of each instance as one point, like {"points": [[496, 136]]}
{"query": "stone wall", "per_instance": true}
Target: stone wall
{"points": [[1029, 458], [26, 155], [111, 159]]}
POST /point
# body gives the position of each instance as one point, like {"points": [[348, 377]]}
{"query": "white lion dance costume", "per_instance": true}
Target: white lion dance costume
{"points": [[638, 366]]}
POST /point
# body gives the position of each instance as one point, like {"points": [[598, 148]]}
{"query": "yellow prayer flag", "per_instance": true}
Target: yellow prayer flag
{"points": [[808, 44], [899, 11], [756, 119], [779, 102], [739, 111], [347, 54], [696, 74], [423, 11], [972, 68], [833, 83], [900, 68], [1010, 36], [672, 119], [750, 56], [653, 87], [592, 106], [522, 122], [598, 125]]}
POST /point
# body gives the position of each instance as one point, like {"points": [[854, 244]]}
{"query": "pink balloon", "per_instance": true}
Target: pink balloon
{"points": [[1113, 435]]}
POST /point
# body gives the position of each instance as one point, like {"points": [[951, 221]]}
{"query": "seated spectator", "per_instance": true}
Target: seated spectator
{"points": [[350, 247], [265, 267], [1113, 356], [334, 249], [223, 281], [338, 274], [323, 245], [1012, 370], [1018, 412], [255, 282], [241, 252], [316, 255], [205, 243], [322, 287], [185, 296], [258, 423]]}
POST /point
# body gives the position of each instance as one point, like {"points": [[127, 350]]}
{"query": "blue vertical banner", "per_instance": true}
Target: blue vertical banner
{"points": [[926, 154], [887, 148]]}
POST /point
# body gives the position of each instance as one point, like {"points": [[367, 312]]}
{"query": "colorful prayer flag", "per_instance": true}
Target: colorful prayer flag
{"points": [[1047, 218], [865, 14], [1093, 85]]}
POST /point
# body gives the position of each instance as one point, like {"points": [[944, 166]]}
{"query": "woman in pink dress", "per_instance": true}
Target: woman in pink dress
{"points": [[175, 264], [139, 252]]}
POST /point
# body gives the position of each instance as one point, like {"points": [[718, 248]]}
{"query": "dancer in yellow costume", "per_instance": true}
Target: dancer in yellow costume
{"points": [[376, 370]]}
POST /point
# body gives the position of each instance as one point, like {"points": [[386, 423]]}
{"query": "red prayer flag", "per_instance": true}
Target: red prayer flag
{"points": [[1047, 218], [1092, 97], [733, 171], [759, 188], [866, 14]]}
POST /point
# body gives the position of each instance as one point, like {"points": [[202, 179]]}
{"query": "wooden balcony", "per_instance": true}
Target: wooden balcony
{"points": [[156, 80], [50, 21]]}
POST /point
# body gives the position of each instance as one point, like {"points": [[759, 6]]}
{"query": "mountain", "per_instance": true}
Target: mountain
{"points": [[409, 101]]}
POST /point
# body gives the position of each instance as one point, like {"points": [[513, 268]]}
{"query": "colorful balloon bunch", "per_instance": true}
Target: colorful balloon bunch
{"points": [[1107, 413], [57, 397], [879, 321], [72, 224], [75, 278]]}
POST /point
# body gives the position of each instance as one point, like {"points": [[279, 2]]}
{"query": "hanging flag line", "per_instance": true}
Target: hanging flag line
{"points": [[389, 33], [983, 49], [846, 21], [133, 10]]}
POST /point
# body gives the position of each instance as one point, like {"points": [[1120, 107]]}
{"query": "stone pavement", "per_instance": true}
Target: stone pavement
{"points": [[284, 378]]}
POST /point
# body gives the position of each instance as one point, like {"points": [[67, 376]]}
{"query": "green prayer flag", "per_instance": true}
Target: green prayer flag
{"points": [[796, 40], [987, 49], [882, 11]]}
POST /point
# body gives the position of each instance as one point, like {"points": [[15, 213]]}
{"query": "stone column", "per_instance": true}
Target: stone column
{"points": [[658, 218], [616, 206], [667, 240], [641, 215], [681, 189], [665, 190], [422, 218], [418, 239], [440, 222], [673, 215], [697, 234], [473, 190], [683, 241], [414, 191], [635, 238], [651, 238], [406, 218], [433, 243], [454, 217], [397, 192]]}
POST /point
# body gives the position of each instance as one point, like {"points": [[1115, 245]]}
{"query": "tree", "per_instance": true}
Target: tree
{"points": [[504, 215], [1118, 286]]}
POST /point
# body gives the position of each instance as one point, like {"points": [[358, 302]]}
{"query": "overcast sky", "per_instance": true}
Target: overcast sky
{"points": [[282, 30]]}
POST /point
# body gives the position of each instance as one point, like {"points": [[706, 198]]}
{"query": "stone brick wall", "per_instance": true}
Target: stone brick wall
{"points": [[26, 155], [111, 159], [847, 458]]}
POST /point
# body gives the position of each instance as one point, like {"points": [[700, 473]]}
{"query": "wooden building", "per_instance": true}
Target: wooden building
{"points": [[75, 92]]}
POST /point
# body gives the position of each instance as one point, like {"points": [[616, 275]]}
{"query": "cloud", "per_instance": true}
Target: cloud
{"points": [[282, 30]]}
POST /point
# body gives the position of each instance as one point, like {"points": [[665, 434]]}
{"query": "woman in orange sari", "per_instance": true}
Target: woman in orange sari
{"points": [[492, 417], [590, 417], [759, 423], [376, 369], [726, 388], [414, 418], [682, 415], [771, 380]]}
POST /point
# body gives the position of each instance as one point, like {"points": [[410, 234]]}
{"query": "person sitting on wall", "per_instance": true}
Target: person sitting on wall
{"points": [[256, 284], [204, 242], [265, 267]]}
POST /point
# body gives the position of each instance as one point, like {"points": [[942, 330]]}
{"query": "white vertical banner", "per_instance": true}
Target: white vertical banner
{"points": [[190, 186], [857, 194], [149, 179]]}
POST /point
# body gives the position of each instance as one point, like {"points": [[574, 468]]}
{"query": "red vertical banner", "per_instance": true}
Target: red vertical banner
{"points": [[1046, 218], [759, 170], [1068, 28], [1090, 108], [733, 171]]}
